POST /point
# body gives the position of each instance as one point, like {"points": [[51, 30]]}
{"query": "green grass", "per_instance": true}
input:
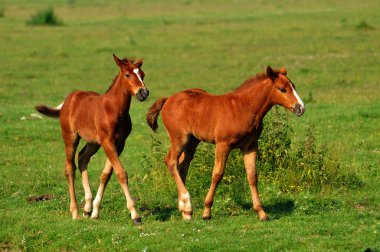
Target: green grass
{"points": [[330, 50]]}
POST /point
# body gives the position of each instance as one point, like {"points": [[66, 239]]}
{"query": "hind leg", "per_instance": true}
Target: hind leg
{"points": [[84, 158], [221, 154], [184, 202], [71, 144], [186, 157]]}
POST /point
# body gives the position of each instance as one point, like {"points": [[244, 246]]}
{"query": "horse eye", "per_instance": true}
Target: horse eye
{"points": [[127, 75], [282, 90]]}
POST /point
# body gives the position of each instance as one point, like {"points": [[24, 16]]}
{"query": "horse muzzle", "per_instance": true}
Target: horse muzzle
{"points": [[299, 109], [142, 94]]}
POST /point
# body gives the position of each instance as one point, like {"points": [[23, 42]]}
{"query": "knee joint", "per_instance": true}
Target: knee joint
{"points": [[122, 176], [208, 203], [217, 176]]}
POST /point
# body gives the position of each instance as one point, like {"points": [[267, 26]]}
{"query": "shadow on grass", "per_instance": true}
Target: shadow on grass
{"points": [[277, 208], [159, 213]]}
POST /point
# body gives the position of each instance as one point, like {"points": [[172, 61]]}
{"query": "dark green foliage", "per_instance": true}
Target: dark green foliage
{"points": [[364, 25], [45, 17], [274, 143], [306, 166]]}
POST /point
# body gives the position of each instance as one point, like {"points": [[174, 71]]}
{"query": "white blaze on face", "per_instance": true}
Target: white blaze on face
{"points": [[298, 99], [136, 71]]}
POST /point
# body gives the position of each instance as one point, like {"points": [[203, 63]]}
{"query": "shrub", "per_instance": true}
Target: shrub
{"points": [[44, 17], [274, 143], [306, 166]]}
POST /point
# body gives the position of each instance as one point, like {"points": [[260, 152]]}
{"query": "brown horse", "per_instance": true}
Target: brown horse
{"points": [[101, 120], [232, 120]]}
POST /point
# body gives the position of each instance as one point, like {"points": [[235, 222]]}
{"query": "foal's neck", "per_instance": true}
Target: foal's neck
{"points": [[257, 97], [119, 97]]}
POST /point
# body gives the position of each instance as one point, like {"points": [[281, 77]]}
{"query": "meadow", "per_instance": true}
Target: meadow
{"points": [[330, 50]]}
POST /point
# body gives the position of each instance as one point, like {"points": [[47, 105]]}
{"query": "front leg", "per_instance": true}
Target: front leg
{"points": [[249, 157], [104, 178], [112, 155]]}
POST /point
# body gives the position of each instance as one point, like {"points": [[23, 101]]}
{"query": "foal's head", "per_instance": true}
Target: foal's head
{"points": [[284, 91], [132, 77]]}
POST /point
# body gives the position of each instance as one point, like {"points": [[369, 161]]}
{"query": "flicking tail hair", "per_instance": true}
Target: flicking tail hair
{"points": [[153, 112], [51, 112]]}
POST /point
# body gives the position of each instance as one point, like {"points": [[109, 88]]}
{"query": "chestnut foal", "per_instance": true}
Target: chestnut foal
{"points": [[232, 120], [101, 120]]}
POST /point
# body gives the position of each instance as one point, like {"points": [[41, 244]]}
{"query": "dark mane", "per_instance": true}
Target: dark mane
{"points": [[253, 79]]}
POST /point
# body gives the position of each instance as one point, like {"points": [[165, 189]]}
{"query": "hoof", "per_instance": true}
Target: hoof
{"points": [[206, 218], [86, 214], [137, 221], [186, 215], [75, 217], [262, 214]]}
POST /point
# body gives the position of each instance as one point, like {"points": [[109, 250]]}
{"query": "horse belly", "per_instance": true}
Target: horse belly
{"points": [[84, 124], [89, 136], [202, 126]]}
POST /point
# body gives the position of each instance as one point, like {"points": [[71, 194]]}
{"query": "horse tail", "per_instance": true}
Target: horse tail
{"points": [[51, 112], [154, 111]]}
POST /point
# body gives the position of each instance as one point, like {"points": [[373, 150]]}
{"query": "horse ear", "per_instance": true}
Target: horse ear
{"points": [[139, 63], [271, 74], [283, 71], [118, 61]]}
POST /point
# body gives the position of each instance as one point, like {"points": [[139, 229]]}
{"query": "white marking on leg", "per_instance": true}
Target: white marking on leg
{"points": [[136, 71], [185, 205], [182, 202], [87, 190], [130, 202], [96, 206], [185, 196], [181, 205]]}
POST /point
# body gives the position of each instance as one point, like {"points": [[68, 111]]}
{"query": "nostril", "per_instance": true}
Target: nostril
{"points": [[298, 109], [144, 92]]}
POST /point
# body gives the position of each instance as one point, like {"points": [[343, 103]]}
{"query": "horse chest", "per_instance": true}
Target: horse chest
{"points": [[123, 127], [247, 139]]}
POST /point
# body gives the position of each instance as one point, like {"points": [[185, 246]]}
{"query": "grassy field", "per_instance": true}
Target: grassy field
{"points": [[330, 49]]}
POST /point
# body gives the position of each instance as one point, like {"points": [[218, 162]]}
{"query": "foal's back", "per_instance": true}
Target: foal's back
{"points": [[207, 117], [80, 112]]}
